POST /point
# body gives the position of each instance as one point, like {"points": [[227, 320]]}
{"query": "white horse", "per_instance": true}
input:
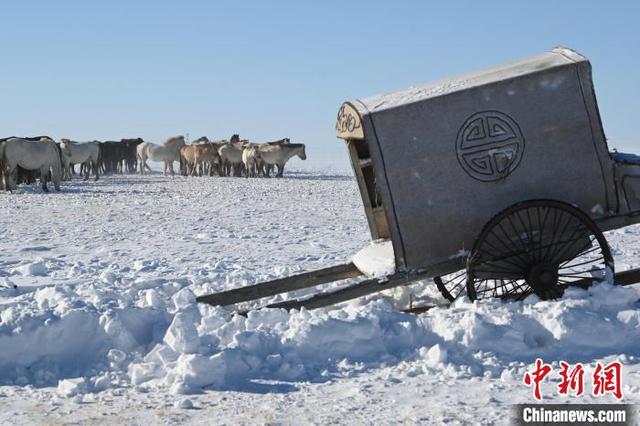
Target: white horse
{"points": [[86, 153], [231, 157], [279, 154], [250, 158], [167, 152], [42, 155]]}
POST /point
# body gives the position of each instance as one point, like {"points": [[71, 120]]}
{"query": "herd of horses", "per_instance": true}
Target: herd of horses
{"points": [[24, 159]]}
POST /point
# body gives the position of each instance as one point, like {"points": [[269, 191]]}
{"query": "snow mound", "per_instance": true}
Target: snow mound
{"points": [[377, 260], [35, 269], [52, 338], [468, 339]]}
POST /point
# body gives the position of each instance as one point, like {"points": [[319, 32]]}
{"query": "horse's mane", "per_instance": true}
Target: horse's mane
{"points": [[292, 145], [173, 140], [27, 138], [280, 142]]}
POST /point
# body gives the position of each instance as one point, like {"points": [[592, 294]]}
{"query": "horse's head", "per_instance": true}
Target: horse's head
{"points": [[202, 139], [132, 142], [302, 154], [175, 141], [65, 148], [213, 152]]}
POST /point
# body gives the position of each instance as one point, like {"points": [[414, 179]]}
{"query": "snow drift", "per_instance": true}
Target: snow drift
{"points": [[187, 347], [95, 311]]}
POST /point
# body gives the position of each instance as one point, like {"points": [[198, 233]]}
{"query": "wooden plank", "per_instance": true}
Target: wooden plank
{"points": [[281, 285], [382, 226], [354, 291], [364, 288]]}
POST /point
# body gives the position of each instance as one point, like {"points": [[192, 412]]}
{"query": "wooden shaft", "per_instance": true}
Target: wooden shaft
{"points": [[354, 291], [631, 276], [373, 286], [281, 285]]}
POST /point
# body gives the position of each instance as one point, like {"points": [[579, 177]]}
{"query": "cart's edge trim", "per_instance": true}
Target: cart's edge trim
{"points": [[349, 123]]}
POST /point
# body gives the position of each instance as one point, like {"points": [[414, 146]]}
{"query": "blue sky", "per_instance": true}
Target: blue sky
{"points": [[89, 70]]}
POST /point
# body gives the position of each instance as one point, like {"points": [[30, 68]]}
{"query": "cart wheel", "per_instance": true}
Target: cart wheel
{"points": [[451, 285], [537, 247]]}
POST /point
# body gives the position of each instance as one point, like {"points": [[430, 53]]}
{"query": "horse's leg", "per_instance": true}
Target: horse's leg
{"points": [[280, 170], [143, 163], [44, 171], [9, 178], [95, 168], [56, 176], [13, 177]]}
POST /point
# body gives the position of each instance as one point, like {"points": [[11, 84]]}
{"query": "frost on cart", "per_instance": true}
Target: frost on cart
{"points": [[498, 183]]}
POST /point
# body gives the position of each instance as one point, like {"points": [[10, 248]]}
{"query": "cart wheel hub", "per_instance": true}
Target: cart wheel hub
{"points": [[543, 276]]}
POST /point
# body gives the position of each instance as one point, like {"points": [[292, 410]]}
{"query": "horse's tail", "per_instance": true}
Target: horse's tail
{"points": [[2, 160], [4, 167]]}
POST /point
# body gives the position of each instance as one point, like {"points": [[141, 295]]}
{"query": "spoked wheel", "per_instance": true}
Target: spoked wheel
{"points": [[452, 285], [537, 247]]}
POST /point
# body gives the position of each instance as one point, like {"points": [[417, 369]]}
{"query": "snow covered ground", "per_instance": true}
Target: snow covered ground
{"points": [[103, 328]]}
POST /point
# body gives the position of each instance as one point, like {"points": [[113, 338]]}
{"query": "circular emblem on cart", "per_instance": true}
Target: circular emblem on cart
{"points": [[490, 145]]}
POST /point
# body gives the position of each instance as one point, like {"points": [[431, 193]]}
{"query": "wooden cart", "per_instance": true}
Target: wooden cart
{"points": [[497, 183]]}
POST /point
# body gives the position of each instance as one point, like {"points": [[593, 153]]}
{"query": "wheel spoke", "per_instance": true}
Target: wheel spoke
{"points": [[522, 263], [586, 262], [451, 285], [590, 250], [520, 247]]}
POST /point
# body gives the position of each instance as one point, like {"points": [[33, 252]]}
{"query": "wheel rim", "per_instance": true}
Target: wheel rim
{"points": [[452, 285], [537, 247]]}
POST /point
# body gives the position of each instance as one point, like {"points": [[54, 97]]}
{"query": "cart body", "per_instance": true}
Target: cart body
{"points": [[435, 163]]}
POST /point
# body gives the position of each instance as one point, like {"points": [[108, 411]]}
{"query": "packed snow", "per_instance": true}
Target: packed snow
{"points": [[98, 318], [376, 260]]}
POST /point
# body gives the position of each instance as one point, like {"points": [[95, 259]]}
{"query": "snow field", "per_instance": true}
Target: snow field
{"points": [[107, 275]]}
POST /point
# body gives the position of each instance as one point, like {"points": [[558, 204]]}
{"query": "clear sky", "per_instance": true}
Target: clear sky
{"points": [[269, 69]]}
